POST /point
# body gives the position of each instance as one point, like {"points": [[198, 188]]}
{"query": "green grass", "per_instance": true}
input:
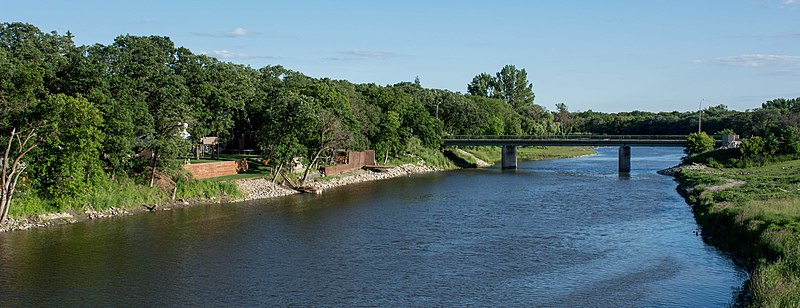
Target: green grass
{"points": [[222, 157], [493, 154], [123, 193], [118, 193], [415, 153], [207, 190], [760, 219], [255, 170]]}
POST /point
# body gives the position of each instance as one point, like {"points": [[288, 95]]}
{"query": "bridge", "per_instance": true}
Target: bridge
{"points": [[509, 144]]}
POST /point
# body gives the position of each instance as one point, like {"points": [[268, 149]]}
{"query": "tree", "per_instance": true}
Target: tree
{"points": [[12, 165], [217, 93], [509, 84], [513, 87], [482, 85], [67, 158], [697, 143], [782, 104], [752, 148], [143, 71], [333, 123], [564, 118], [286, 128]]}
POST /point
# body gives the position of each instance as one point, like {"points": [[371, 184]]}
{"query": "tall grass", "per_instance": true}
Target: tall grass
{"points": [[120, 192], [206, 190], [760, 219], [415, 153], [494, 155]]}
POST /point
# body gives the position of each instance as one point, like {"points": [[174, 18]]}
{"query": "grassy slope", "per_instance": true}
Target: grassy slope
{"points": [[121, 193], [760, 219], [492, 154]]}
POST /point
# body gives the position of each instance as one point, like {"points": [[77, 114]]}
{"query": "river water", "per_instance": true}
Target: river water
{"points": [[565, 232]]}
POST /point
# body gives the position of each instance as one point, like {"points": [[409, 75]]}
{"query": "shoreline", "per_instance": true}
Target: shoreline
{"points": [[713, 233], [262, 188], [253, 189]]}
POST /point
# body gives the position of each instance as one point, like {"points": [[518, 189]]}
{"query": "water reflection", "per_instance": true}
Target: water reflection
{"points": [[555, 233]]}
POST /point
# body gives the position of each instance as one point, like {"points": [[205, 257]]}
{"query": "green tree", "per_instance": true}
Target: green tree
{"points": [[66, 162], [333, 124], [697, 143], [286, 129], [564, 118], [482, 85], [145, 78], [513, 87], [752, 148], [509, 84], [217, 93]]}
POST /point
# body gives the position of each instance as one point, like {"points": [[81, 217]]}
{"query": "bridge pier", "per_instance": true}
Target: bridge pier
{"points": [[624, 160], [509, 157]]}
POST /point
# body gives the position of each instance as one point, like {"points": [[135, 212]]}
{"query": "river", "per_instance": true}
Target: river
{"points": [[568, 232]]}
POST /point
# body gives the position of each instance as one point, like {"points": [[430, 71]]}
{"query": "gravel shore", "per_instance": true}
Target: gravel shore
{"points": [[672, 170], [263, 188], [253, 189]]}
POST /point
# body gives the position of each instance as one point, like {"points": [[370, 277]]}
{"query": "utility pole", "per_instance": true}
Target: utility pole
{"points": [[700, 117]]}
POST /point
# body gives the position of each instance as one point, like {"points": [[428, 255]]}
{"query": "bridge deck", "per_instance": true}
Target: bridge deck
{"points": [[569, 140]]}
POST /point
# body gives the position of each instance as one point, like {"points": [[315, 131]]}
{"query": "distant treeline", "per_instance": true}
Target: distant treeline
{"points": [[772, 115]]}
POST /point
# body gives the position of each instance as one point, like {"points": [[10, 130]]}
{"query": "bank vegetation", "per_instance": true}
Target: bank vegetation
{"points": [[747, 199]]}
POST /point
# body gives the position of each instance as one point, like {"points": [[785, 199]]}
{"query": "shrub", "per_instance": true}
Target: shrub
{"points": [[752, 148], [698, 143]]}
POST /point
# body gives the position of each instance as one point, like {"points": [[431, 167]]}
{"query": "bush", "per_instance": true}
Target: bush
{"points": [[698, 143], [726, 131]]}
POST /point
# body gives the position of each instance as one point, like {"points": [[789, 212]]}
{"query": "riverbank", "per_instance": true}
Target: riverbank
{"points": [[755, 213], [261, 188], [492, 155], [251, 189]]}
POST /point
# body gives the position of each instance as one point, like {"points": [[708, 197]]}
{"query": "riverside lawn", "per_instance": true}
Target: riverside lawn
{"points": [[755, 212]]}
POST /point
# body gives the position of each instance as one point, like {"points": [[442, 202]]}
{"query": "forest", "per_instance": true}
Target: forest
{"points": [[75, 119]]}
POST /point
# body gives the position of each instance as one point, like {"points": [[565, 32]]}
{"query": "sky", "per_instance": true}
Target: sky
{"points": [[607, 56]]}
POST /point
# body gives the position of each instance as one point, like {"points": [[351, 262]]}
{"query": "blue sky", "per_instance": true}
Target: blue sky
{"points": [[602, 55]]}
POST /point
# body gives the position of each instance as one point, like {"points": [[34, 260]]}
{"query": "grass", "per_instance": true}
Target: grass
{"points": [[122, 193], [415, 153], [256, 169], [760, 219], [493, 154], [207, 190], [222, 157]]}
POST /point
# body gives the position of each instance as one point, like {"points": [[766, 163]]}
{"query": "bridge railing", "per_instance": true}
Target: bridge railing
{"points": [[572, 137]]}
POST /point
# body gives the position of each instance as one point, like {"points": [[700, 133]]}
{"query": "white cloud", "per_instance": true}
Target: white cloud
{"points": [[789, 2], [755, 60], [225, 54], [238, 32], [363, 54]]}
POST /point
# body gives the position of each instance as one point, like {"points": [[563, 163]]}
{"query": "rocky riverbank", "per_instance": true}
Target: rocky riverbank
{"points": [[87, 213], [263, 188], [672, 170], [253, 189]]}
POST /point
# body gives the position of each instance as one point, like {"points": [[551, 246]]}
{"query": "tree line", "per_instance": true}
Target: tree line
{"points": [[772, 129], [89, 113]]}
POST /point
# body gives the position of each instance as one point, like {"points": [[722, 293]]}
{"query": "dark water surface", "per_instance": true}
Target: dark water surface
{"points": [[554, 233]]}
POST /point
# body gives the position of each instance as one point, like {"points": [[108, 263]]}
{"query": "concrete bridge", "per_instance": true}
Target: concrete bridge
{"points": [[509, 144]]}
